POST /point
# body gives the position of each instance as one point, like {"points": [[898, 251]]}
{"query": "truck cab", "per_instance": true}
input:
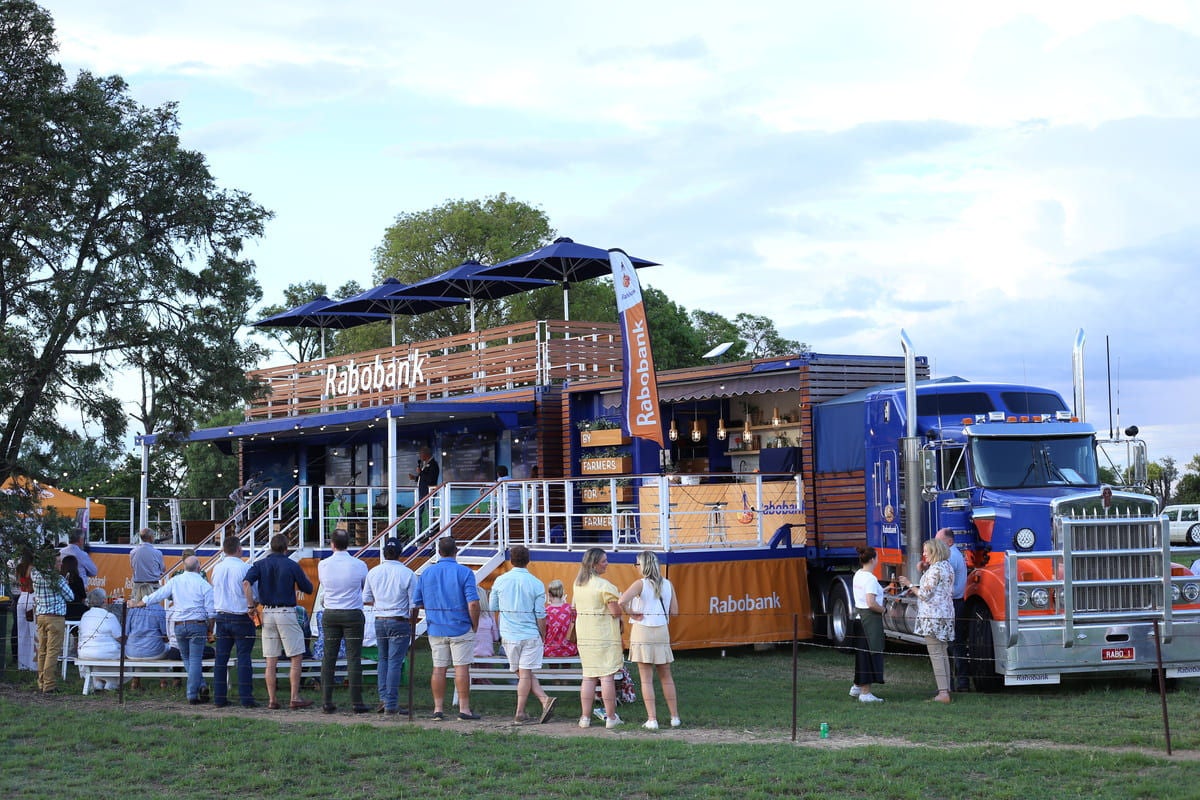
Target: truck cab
{"points": [[1066, 575]]}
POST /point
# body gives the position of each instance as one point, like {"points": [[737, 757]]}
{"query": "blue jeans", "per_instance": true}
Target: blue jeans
{"points": [[234, 630], [191, 638], [392, 637], [342, 624]]}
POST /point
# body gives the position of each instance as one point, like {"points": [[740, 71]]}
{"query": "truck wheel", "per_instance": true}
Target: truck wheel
{"points": [[838, 619], [1193, 535], [981, 652]]}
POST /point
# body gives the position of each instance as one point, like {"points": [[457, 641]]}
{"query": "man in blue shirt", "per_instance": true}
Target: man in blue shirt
{"points": [[278, 578], [519, 603], [959, 666], [447, 592]]}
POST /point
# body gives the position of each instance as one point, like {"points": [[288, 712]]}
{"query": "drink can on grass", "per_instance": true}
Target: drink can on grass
{"points": [[824, 730]]}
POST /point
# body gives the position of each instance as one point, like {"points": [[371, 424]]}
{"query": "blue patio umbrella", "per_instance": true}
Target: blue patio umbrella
{"points": [[386, 299], [471, 280], [563, 261], [319, 313]]}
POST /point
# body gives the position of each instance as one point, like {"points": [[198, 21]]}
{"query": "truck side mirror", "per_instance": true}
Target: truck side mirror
{"points": [[929, 482], [1139, 462]]}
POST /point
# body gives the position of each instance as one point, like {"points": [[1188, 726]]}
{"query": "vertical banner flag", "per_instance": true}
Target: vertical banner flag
{"points": [[639, 390]]}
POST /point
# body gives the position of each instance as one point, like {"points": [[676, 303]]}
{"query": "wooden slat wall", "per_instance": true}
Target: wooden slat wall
{"points": [[836, 502], [497, 359]]}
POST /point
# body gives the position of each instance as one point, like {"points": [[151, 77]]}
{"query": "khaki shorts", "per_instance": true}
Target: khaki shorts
{"points": [[525, 654], [457, 651], [281, 633]]}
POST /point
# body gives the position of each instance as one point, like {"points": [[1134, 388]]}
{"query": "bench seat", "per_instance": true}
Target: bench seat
{"points": [[110, 669]]}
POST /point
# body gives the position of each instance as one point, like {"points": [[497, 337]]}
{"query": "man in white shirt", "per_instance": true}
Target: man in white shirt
{"points": [[194, 612], [235, 628], [390, 590], [342, 576]]}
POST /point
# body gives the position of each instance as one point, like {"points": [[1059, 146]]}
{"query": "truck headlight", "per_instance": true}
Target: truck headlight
{"points": [[1025, 539], [1191, 591], [1022, 598], [1040, 597]]}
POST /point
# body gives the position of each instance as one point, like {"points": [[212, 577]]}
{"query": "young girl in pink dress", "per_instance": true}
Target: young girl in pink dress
{"points": [[560, 622]]}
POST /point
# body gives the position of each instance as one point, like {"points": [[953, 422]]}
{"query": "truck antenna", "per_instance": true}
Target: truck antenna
{"points": [[1108, 366]]}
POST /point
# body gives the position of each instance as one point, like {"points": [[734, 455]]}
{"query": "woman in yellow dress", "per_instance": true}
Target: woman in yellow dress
{"points": [[598, 634]]}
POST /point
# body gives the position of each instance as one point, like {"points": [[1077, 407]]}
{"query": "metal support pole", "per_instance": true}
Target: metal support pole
{"points": [[144, 509], [1162, 685]]}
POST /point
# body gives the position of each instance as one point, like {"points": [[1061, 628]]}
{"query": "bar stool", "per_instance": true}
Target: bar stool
{"points": [[716, 523]]}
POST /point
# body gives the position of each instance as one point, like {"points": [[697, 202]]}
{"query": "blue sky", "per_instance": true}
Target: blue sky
{"points": [[989, 179]]}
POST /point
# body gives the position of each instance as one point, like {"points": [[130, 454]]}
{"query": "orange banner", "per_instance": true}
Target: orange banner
{"points": [[639, 395]]}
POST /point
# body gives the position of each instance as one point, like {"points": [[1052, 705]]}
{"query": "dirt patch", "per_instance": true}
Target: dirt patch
{"points": [[561, 726]]}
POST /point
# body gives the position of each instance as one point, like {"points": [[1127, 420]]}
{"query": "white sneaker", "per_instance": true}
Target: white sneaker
{"points": [[855, 691], [650, 724], [614, 722], [869, 698], [585, 722], [675, 722]]}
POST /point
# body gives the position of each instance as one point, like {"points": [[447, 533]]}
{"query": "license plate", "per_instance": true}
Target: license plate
{"points": [[1116, 654]]}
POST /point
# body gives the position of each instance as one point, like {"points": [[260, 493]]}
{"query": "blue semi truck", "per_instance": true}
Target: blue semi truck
{"points": [[1066, 575]]}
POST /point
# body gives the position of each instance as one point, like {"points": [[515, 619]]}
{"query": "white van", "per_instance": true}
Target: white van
{"points": [[1185, 524]]}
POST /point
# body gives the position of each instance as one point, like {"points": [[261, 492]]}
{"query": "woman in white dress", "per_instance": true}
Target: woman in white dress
{"points": [[650, 603]]}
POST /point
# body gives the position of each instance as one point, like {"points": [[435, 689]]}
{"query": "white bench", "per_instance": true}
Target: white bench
{"points": [[165, 669], [556, 674]]}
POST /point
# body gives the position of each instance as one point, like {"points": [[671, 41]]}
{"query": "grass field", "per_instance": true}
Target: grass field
{"points": [[1085, 738]]}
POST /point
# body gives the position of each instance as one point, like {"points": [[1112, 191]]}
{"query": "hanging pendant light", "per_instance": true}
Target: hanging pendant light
{"points": [[696, 435], [673, 434], [721, 434]]}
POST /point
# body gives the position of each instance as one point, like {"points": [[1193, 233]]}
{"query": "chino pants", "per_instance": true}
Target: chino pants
{"points": [[339, 624], [51, 630], [234, 631]]}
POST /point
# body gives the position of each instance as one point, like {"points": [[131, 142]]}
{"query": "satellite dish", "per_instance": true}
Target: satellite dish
{"points": [[718, 351]]}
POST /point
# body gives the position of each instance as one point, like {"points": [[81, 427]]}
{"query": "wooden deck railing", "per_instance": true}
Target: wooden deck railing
{"points": [[512, 357]]}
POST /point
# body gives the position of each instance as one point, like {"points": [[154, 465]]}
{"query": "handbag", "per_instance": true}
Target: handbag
{"points": [[29, 614]]}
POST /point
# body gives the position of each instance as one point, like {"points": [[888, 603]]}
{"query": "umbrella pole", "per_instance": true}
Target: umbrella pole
{"points": [[472, 301], [393, 330], [566, 303]]}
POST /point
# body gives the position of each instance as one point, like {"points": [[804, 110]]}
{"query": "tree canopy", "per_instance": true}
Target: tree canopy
{"points": [[118, 251]]}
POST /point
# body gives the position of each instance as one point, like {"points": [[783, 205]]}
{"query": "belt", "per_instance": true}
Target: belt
{"points": [[40, 614], [401, 619], [268, 605], [233, 613], [192, 622]]}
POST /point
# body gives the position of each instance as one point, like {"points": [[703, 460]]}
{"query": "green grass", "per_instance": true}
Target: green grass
{"points": [[1086, 738]]}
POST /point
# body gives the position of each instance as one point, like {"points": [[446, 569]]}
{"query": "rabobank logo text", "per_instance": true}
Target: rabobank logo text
{"points": [[731, 605]]}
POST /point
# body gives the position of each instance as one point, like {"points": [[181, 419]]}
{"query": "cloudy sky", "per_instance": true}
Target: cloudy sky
{"points": [[990, 178]]}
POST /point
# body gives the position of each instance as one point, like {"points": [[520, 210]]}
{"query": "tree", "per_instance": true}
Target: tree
{"points": [[1188, 488], [304, 344], [424, 243], [763, 340], [715, 329], [1161, 477], [117, 250]]}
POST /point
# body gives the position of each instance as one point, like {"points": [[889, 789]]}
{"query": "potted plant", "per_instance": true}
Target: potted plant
{"points": [[600, 432]]}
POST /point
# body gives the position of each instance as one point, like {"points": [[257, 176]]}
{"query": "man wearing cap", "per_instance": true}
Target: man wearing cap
{"points": [[519, 603], [194, 613], [447, 592], [390, 588], [278, 578], [342, 578]]}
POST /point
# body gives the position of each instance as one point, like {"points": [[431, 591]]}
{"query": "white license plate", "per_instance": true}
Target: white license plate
{"points": [[1032, 678], [1186, 671]]}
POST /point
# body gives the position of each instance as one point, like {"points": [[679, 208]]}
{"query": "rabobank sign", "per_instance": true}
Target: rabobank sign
{"points": [[735, 605]]}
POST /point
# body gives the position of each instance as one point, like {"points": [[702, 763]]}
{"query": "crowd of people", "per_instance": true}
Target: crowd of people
{"points": [[240, 601]]}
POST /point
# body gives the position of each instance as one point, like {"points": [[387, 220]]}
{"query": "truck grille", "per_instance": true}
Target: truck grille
{"points": [[1105, 565]]}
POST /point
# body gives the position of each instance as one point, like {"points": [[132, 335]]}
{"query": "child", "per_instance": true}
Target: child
{"points": [[487, 635], [560, 623]]}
